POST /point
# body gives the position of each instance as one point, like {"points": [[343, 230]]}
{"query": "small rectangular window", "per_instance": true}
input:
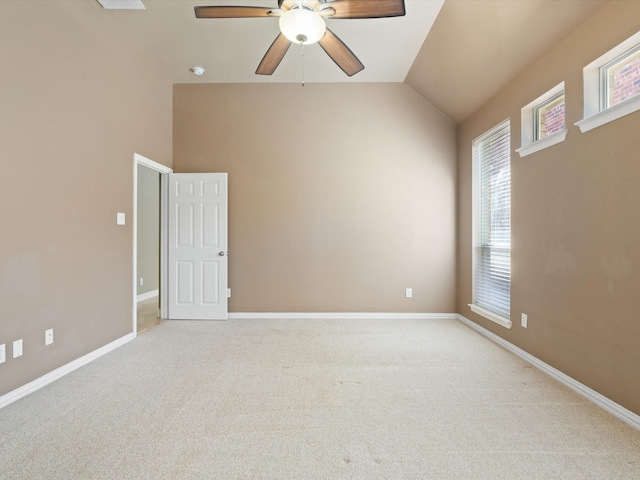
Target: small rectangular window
{"points": [[620, 78], [549, 117], [543, 122], [612, 85]]}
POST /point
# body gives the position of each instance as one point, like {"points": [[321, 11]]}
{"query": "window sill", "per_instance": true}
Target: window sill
{"points": [[609, 115], [543, 143], [494, 317]]}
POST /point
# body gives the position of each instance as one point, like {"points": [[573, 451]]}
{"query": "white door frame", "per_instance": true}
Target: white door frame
{"points": [[164, 171]]}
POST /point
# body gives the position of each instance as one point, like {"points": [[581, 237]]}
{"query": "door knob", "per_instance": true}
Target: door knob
{"points": [[222, 254]]}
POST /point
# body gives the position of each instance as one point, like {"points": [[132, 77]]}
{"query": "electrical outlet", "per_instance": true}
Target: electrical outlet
{"points": [[523, 320], [17, 348], [3, 353], [48, 336], [141, 281], [408, 293]]}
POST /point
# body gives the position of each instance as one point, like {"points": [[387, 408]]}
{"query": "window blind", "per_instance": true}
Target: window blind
{"points": [[492, 256]]}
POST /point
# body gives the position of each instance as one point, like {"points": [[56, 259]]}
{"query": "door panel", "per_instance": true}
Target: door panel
{"points": [[210, 274], [198, 261], [185, 283], [184, 232]]}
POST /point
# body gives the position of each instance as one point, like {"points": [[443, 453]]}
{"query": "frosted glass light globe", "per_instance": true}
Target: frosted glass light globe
{"points": [[302, 26]]}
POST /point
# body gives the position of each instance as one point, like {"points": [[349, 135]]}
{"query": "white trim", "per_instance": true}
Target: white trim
{"points": [[158, 167], [163, 170], [341, 316], [593, 115], [600, 400], [164, 246], [60, 372], [610, 114], [528, 121], [146, 296], [543, 143], [489, 315]]}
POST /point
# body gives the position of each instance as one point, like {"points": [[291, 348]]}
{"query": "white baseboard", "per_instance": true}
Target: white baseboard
{"points": [[603, 402], [341, 316], [60, 372], [146, 296]]}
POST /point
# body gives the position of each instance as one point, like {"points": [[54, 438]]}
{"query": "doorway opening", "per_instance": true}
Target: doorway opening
{"points": [[149, 243]]}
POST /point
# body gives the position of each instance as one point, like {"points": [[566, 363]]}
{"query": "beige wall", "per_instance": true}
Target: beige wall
{"points": [[77, 102], [575, 222], [341, 195]]}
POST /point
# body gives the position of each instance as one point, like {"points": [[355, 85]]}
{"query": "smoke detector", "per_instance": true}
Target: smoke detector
{"points": [[198, 70], [121, 4]]}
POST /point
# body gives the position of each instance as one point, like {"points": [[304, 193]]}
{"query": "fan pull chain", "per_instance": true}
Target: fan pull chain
{"points": [[302, 54]]}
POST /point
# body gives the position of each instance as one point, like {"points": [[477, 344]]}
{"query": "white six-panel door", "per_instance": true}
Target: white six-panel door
{"points": [[197, 246]]}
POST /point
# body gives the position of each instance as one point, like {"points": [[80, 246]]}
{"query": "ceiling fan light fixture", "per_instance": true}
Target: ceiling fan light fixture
{"points": [[302, 26]]}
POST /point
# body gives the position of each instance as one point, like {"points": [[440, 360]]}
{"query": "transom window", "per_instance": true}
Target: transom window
{"points": [[543, 121], [620, 78], [549, 117], [612, 85]]}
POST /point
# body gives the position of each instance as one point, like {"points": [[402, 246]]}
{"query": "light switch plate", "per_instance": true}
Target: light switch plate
{"points": [[17, 348], [408, 293], [3, 353], [120, 218]]}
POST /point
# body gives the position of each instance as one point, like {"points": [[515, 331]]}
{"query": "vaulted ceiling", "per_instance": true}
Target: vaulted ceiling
{"points": [[477, 46], [455, 53], [230, 49]]}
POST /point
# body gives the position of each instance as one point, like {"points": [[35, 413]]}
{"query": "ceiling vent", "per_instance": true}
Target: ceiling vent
{"points": [[121, 4]]}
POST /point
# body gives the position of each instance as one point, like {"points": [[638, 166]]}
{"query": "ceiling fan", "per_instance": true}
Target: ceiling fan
{"points": [[303, 22]]}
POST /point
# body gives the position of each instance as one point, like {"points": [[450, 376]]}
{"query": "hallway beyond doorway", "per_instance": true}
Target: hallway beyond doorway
{"points": [[148, 314]]}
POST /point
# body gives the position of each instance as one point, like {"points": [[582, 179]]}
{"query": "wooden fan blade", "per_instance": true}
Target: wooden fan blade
{"points": [[340, 53], [274, 56], [366, 8], [232, 12]]}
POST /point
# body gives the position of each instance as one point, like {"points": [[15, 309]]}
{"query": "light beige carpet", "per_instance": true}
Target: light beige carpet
{"points": [[312, 399]]}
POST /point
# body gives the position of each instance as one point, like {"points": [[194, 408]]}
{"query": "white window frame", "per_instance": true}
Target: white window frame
{"points": [[528, 115], [483, 310], [594, 115], [604, 77]]}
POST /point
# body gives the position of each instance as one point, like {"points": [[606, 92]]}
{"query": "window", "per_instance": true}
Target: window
{"points": [[620, 78], [549, 117], [612, 85], [543, 122], [492, 224]]}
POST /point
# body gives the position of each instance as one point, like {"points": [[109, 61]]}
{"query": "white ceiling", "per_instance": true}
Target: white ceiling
{"points": [[230, 50]]}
